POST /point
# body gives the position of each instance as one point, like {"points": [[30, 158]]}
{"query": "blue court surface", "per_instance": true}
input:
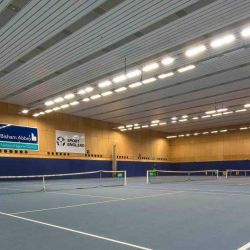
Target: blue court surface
{"points": [[207, 215]]}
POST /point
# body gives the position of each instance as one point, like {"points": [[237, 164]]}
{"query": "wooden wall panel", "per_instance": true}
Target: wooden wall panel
{"points": [[100, 136], [219, 147]]}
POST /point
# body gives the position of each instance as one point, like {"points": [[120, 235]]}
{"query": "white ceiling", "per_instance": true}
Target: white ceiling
{"points": [[49, 48]]}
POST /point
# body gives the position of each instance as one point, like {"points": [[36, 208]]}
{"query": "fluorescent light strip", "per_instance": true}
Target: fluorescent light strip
{"points": [[64, 106], [56, 108], [210, 112], [81, 92], [74, 103], [25, 111], [186, 68], [245, 32], [222, 110], [205, 116], [163, 76], [219, 114], [48, 111], [69, 96], [167, 60], [58, 99], [144, 126], [135, 85], [94, 97], [150, 67], [86, 99], [171, 136], [240, 110], [247, 105], [120, 78], [104, 84], [195, 118], [120, 89], [107, 93], [224, 40], [162, 123], [133, 73], [49, 103], [89, 89], [195, 50], [155, 121], [153, 125], [149, 80]]}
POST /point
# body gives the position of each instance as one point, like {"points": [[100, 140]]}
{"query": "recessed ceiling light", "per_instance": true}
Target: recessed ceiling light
{"points": [[144, 126], [36, 114], [104, 84], [247, 105], [64, 106], [150, 67], [167, 60], [227, 113], [185, 116], [171, 136], [153, 125], [186, 68], [48, 111], [210, 112], [56, 108], [58, 99], [149, 80], [222, 110], [107, 93], [195, 134], [137, 127], [223, 130], [205, 116], [74, 103], [205, 133], [219, 114], [155, 121], [162, 123], [86, 99], [81, 92], [135, 85], [42, 113], [121, 127], [195, 118], [120, 89], [49, 103], [243, 128], [120, 78], [214, 132], [89, 89], [224, 40], [240, 110], [69, 96], [174, 118], [136, 124], [245, 32], [133, 73], [162, 76], [182, 120], [25, 111], [93, 97], [195, 50], [129, 126]]}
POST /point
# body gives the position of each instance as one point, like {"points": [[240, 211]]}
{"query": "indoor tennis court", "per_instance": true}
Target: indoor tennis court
{"points": [[124, 124]]}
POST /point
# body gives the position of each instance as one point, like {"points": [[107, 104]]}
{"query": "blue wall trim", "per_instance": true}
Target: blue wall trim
{"points": [[33, 166]]}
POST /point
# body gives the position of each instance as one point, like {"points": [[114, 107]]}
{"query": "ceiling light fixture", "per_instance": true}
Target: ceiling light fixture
{"points": [[224, 40], [104, 84], [120, 78], [89, 89], [49, 103], [94, 97], [69, 96], [120, 89], [245, 32], [133, 73], [195, 50], [149, 80], [186, 68], [167, 61], [107, 93], [150, 67], [135, 85], [58, 99], [163, 76], [86, 99]]}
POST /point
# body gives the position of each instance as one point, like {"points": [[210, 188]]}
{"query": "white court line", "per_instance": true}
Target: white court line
{"points": [[245, 247], [94, 203], [77, 232]]}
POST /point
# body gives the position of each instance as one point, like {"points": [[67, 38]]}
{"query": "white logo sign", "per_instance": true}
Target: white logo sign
{"points": [[70, 142]]}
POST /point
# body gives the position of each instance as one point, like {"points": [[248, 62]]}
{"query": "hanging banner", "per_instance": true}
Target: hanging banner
{"points": [[70, 142], [18, 137]]}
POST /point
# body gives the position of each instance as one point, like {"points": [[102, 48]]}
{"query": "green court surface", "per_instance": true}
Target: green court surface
{"points": [[207, 215]]}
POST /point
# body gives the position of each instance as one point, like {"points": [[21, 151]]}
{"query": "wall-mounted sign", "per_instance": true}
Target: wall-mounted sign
{"points": [[70, 142], [18, 137]]}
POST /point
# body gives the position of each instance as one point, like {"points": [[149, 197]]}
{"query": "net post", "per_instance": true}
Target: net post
{"points": [[147, 176], [226, 174], [217, 174], [125, 178], [44, 187]]}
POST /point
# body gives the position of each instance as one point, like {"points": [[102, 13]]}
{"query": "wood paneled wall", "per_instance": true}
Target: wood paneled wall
{"points": [[218, 147], [100, 136]]}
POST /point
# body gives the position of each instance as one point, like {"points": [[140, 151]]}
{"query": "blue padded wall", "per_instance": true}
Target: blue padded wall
{"points": [[34, 166]]}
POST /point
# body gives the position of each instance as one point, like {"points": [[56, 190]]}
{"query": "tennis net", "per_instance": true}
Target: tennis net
{"points": [[165, 176], [230, 173], [57, 182]]}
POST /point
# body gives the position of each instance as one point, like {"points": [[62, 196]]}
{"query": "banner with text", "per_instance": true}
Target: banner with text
{"points": [[70, 142], [18, 137]]}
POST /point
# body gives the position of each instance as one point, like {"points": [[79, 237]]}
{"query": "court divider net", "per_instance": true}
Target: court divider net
{"points": [[231, 173], [57, 182]]}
